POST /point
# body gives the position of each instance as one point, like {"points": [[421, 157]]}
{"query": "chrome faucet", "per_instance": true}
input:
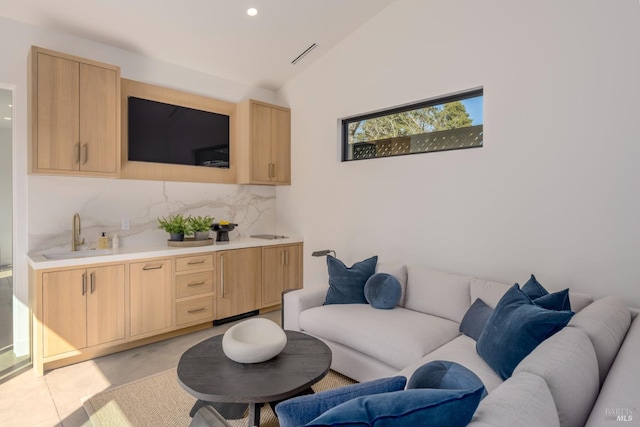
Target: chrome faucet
{"points": [[75, 232]]}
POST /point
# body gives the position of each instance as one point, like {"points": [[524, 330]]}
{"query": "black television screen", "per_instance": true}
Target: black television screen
{"points": [[165, 133]]}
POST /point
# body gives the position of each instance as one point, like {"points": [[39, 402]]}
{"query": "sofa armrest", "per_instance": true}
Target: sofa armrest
{"points": [[295, 302]]}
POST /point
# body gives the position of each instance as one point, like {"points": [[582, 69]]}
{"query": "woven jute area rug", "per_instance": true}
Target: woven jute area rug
{"points": [[159, 400]]}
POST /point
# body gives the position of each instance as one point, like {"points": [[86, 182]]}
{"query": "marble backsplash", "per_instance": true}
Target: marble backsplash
{"points": [[103, 203]]}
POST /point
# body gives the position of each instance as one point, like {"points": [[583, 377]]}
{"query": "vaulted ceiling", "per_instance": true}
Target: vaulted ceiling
{"points": [[213, 36]]}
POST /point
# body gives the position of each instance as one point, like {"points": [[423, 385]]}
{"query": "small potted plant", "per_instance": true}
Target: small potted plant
{"points": [[200, 226], [176, 225]]}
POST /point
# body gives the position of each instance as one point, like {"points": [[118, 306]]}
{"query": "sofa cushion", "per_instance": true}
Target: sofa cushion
{"points": [[396, 337], [382, 291], [515, 328], [418, 407], [490, 292], [524, 400], [606, 322], [461, 350], [567, 362], [346, 284], [300, 410], [399, 271], [579, 300], [438, 293], [475, 319], [619, 393], [444, 374]]}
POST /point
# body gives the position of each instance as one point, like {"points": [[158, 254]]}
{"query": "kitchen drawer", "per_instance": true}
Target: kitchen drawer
{"points": [[194, 309], [194, 284], [194, 262]]}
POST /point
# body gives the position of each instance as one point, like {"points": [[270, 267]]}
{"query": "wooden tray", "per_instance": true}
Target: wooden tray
{"points": [[190, 242]]}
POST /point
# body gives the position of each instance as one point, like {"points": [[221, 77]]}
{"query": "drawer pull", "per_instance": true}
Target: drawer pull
{"points": [[196, 284], [196, 310], [152, 267], [196, 262]]}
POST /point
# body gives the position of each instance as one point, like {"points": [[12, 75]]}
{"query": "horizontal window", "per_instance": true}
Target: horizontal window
{"points": [[450, 122]]}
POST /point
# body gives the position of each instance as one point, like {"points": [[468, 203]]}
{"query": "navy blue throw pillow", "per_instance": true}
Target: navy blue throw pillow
{"points": [[300, 410], [346, 284], [382, 291], [443, 374], [416, 407], [533, 289], [475, 318], [515, 328], [555, 301]]}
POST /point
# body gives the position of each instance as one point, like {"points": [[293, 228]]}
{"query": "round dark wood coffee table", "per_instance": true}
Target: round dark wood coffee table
{"points": [[206, 373]]}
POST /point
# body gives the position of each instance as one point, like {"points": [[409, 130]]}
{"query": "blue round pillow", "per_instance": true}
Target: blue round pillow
{"points": [[383, 291], [442, 374]]}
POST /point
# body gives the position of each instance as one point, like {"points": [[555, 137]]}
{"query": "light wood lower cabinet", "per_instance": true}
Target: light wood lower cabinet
{"points": [[151, 296], [194, 289], [239, 273], [82, 308], [89, 311], [281, 270]]}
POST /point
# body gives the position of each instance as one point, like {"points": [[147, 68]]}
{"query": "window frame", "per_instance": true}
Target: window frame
{"points": [[458, 96]]}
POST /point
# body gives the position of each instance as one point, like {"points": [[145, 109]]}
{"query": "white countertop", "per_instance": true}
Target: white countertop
{"points": [[38, 261]]}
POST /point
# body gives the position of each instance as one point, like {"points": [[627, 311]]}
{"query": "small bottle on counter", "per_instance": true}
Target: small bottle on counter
{"points": [[103, 241], [115, 242]]}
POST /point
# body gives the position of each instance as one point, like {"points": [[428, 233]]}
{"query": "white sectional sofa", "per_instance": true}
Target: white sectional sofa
{"points": [[557, 384]]}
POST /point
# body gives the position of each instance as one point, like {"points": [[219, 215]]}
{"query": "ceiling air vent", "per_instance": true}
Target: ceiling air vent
{"points": [[303, 54]]}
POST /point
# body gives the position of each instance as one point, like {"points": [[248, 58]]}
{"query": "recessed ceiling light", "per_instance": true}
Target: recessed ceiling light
{"points": [[7, 118], [252, 11]]}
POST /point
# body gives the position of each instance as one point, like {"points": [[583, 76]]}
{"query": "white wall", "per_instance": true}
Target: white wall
{"points": [[554, 190], [6, 197], [45, 205]]}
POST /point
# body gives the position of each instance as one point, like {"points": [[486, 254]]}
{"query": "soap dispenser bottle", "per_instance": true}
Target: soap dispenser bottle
{"points": [[103, 241]]}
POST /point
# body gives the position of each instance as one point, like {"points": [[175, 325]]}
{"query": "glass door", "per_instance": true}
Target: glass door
{"points": [[12, 357]]}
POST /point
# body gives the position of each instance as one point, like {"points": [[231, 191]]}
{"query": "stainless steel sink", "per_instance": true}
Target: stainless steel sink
{"points": [[78, 254]]}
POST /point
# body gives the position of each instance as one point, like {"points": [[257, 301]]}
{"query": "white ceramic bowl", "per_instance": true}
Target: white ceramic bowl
{"points": [[253, 341]]}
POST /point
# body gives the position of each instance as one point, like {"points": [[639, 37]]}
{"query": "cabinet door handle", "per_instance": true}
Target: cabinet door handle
{"points": [[196, 310], [196, 284], [152, 267], [85, 154], [84, 283], [282, 258], [196, 262], [76, 153], [92, 280], [273, 170], [222, 276]]}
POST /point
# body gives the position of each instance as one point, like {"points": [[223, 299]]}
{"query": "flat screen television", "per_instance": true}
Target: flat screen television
{"points": [[165, 133]]}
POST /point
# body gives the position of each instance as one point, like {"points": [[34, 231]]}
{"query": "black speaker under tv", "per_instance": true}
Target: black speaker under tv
{"points": [[165, 133]]}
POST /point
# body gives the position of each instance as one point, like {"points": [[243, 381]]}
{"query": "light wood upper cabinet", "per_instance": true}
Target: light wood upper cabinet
{"points": [[82, 308], [74, 115], [151, 296], [239, 278], [281, 270], [264, 143]]}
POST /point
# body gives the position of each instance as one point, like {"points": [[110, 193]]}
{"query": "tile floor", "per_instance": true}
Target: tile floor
{"points": [[56, 398]]}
